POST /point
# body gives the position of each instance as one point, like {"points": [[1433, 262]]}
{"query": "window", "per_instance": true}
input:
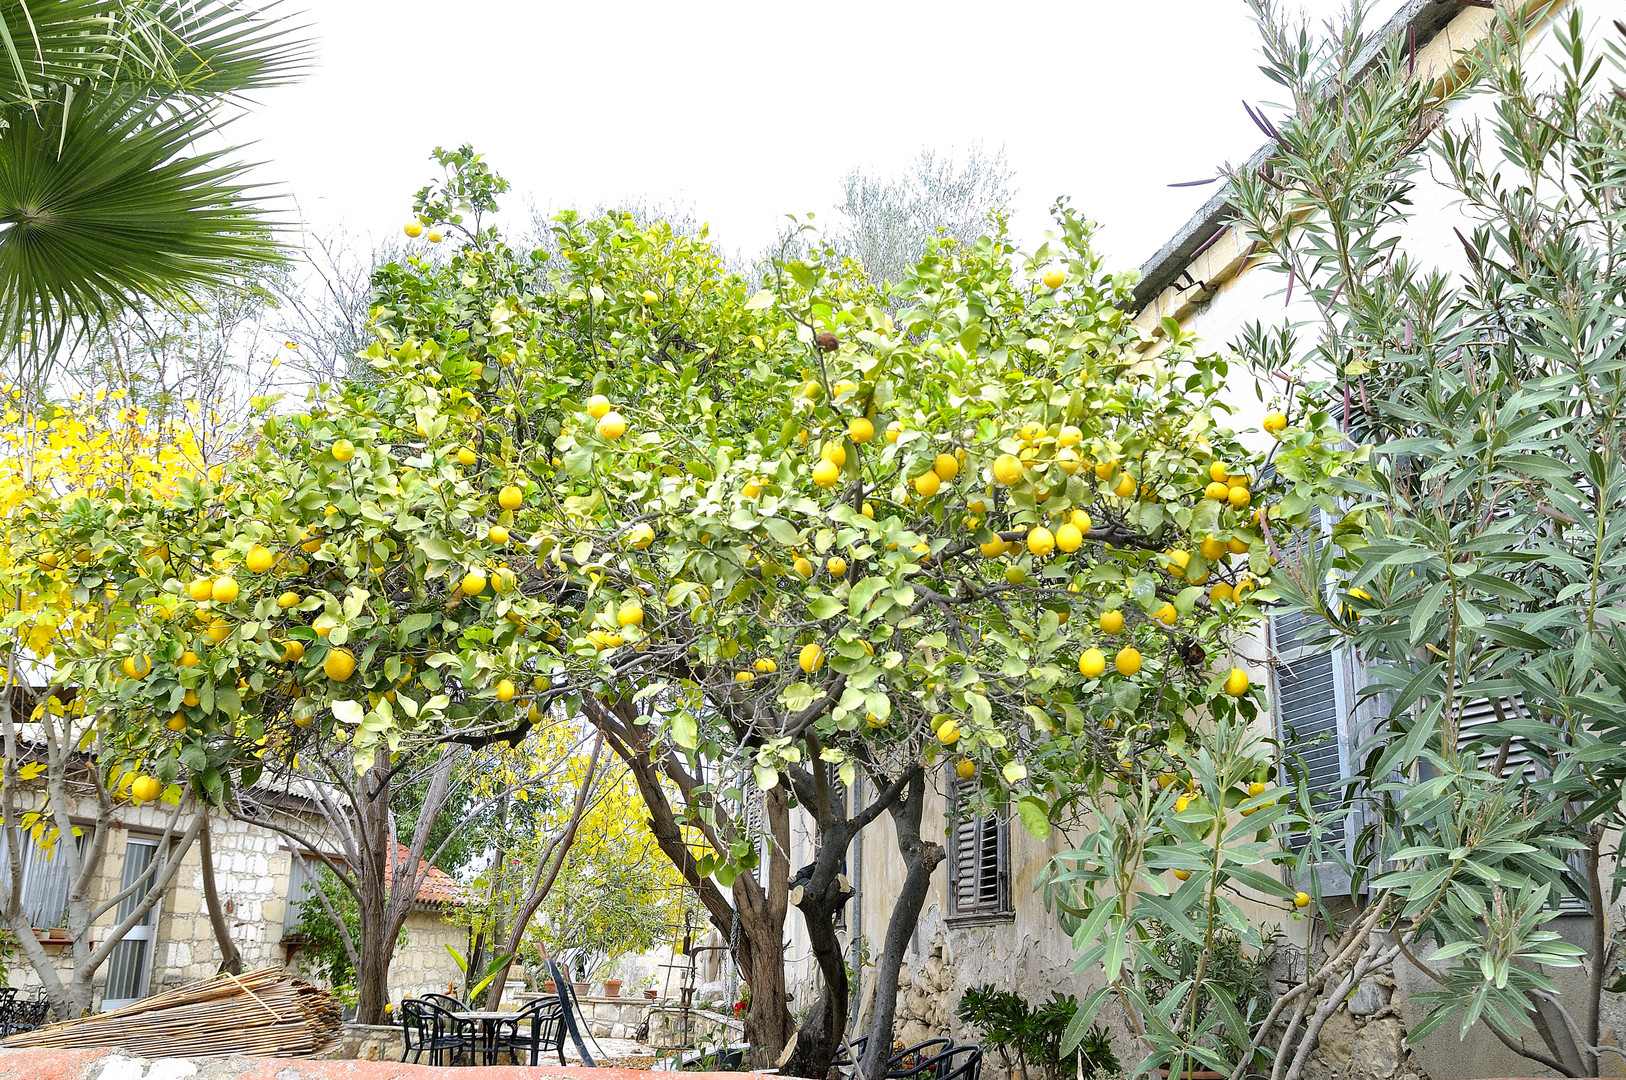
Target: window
{"points": [[304, 871], [978, 859], [45, 880]]}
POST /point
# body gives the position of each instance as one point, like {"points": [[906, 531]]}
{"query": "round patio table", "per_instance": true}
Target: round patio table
{"points": [[487, 1041]]}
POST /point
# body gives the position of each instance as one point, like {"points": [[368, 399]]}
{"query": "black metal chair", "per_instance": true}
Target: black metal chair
{"points": [[427, 1028], [538, 1026], [25, 1014], [907, 1062], [843, 1059], [962, 1062], [444, 1001]]}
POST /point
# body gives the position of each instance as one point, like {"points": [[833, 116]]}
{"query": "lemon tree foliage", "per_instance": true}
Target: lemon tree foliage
{"points": [[811, 540], [73, 453]]}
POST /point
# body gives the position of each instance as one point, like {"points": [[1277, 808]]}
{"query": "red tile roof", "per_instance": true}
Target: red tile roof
{"points": [[437, 887]]}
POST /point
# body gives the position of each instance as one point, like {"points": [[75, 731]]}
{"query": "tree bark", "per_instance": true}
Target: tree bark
{"points": [[547, 872], [231, 960], [921, 858]]}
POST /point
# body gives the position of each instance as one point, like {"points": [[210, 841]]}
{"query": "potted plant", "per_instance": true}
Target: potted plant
{"points": [[612, 987], [549, 987]]}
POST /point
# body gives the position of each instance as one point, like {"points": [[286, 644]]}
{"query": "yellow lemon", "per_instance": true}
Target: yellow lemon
{"points": [[598, 406], [510, 497], [803, 566], [1007, 470], [259, 559], [1015, 575], [505, 690], [200, 589], [1069, 461], [497, 534], [219, 630], [1275, 422], [928, 484], [413, 229], [1125, 486], [1104, 469], [473, 583], [811, 658], [1218, 472], [993, 549], [1183, 875], [137, 667], [630, 614], [949, 733], [834, 451], [466, 456], [292, 652], [843, 386], [224, 590], [288, 600], [1053, 279], [1237, 545], [826, 473], [752, 489], [743, 676], [1181, 803], [1127, 661], [965, 768], [1112, 622], [339, 665], [1236, 683], [893, 430], [946, 466], [860, 430], [1220, 591], [1040, 541], [1092, 664], [837, 567], [146, 788], [188, 659], [1166, 615], [1213, 548], [1217, 491], [612, 426], [343, 450], [434, 237], [1256, 789], [1068, 538], [1239, 497], [1301, 900], [1081, 521], [176, 722], [1069, 435], [868, 511], [1179, 559], [641, 536], [766, 666]]}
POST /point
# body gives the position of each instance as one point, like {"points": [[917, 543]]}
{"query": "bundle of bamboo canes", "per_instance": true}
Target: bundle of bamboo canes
{"points": [[260, 1013]]}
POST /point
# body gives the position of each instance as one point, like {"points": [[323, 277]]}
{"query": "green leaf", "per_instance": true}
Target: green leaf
{"points": [[685, 731], [1035, 817]]}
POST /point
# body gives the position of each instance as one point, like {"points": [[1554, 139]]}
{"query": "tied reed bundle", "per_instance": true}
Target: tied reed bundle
{"points": [[261, 1013]]}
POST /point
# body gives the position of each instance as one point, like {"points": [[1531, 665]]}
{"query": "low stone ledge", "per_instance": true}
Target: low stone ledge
{"points": [[42, 1064]]}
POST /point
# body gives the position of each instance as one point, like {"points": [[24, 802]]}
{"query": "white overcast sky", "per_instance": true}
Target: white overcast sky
{"points": [[749, 111]]}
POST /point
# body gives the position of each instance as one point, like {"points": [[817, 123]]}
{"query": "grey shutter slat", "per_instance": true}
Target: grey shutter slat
{"points": [[977, 857], [1307, 706]]}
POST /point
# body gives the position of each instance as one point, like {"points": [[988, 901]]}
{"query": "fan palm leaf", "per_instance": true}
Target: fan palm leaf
{"points": [[105, 200]]}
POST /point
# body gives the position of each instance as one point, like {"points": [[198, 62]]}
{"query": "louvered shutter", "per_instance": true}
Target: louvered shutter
{"points": [[978, 858]]}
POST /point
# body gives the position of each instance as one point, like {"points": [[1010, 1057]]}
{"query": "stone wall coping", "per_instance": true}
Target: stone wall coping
{"points": [[107, 1064]]}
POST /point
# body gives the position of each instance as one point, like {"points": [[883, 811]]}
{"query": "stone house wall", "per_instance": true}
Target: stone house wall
{"points": [[252, 868]]}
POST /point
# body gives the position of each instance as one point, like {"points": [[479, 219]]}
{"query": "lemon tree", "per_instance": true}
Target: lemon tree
{"points": [[792, 533]]}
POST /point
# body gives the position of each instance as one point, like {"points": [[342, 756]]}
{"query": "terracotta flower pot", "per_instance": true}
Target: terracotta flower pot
{"points": [[548, 987], [612, 987], [650, 994]]}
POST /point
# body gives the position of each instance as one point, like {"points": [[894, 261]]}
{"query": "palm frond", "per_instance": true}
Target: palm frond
{"points": [[49, 43], [194, 49], [104, 201]]}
